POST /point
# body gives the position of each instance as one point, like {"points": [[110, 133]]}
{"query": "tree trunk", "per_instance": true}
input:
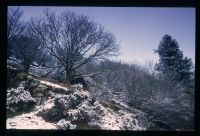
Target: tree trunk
{"points": [[68, 75], [26, 65]]}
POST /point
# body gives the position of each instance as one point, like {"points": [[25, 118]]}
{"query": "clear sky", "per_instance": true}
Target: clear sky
{"points": [[138, 30]]}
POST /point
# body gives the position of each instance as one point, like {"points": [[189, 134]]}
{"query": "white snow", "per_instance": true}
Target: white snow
{"points": [[114, 121], [53, 85], [109, 119], [28, 121], [31, 120]]}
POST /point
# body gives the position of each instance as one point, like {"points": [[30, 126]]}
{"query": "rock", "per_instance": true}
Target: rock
{"points": [[31, 84], [86, 113], [81, 116], [63, 124], [78, 109], [77, 87], [57, 111], [97, 116], [51, 113], [38, 100], [91, 101], [19, 100], [62, 103], [40, 94], [77, 98], [40, 90], [66, 102]]}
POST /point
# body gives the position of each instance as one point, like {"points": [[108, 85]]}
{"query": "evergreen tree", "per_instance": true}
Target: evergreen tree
{"points": [[172, 64]]}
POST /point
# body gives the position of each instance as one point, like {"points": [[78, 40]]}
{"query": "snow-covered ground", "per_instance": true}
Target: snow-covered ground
{"points": [[107, 118], [31, 120], [77, 104], [53, 85], [118, 121], [28, 121]]}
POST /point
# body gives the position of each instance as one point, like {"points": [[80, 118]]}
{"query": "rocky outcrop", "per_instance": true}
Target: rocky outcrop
{"points": [[19, 100], [63, 108], [101, 117], [63, 103], [71, 101], [79, 108], [42, 90], [63, 124]]}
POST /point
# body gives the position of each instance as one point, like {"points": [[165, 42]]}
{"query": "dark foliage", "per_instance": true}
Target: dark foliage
{"points": [[172, 64]]}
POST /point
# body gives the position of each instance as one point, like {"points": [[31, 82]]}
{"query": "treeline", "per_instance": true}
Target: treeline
{"points": [[69, 41]]}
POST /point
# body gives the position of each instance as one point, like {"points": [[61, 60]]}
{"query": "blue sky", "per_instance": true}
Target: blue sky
{"points": [[138, 30]]}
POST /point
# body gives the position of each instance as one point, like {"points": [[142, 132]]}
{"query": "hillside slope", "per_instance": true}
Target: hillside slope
{"points": [[37, 104]]}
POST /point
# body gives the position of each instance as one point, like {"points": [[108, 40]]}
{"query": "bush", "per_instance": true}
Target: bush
{"points": [[148, 92]]}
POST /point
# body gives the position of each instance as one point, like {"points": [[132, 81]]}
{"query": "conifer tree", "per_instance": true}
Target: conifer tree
{"points": [[172, 64]]}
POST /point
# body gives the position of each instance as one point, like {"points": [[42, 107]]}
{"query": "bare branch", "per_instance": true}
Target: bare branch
{"points": [[15, 26], [73, 40]]}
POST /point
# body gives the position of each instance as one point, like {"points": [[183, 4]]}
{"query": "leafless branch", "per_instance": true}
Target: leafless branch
{"points": [[73, 40]]}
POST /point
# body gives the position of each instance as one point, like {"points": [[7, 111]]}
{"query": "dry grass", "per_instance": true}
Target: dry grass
{"points": [[67, 85]]}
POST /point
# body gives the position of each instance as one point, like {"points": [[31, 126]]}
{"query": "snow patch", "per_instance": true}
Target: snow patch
{"points": [[53, 85], [31, 120], [28, 121]]}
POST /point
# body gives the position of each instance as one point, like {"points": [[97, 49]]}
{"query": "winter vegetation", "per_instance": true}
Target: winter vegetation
{"points": [[60, 76]]}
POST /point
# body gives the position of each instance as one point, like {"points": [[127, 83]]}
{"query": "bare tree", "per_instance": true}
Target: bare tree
{"points": [[73, 40], [14, 25]]}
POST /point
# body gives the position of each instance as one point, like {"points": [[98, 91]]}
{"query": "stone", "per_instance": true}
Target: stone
{"points": [[52, 115], [77, 87], [62, 103], [63, 124], [19, 100]]}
